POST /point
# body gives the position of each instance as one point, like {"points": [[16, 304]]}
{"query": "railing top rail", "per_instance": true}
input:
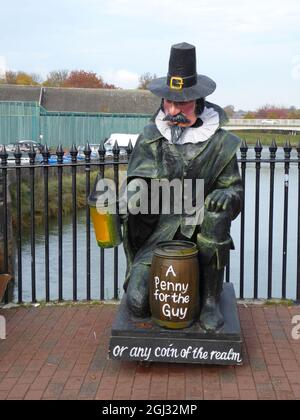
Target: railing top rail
{"points": [[28, 159], [266, 122]]}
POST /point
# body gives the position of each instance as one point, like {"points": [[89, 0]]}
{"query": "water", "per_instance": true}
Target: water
{"points": [[235, 255], [264, 234], [68, 264]]}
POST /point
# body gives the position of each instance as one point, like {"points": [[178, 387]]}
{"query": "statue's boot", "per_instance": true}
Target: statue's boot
{"points": [[211, 318], [214, 243], [138, 291]]}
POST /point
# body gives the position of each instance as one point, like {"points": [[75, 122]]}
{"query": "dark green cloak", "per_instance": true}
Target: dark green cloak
{"points": [[154, 157]]}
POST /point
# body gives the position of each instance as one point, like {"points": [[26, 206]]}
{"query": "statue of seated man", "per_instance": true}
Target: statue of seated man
{"points": [[184, 140]]}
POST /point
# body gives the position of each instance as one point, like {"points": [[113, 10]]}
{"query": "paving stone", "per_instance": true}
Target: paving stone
{"points": [[51, 354]]}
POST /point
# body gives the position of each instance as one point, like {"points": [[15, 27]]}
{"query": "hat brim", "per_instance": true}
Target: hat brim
{"points": [[204, 87]]}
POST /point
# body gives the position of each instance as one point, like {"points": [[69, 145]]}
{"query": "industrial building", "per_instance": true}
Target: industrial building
{"points": [[71, 116]]}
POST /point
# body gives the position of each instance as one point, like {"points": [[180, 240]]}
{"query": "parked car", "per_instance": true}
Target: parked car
{"points": [[269, 122], [94, 149], [24, 159], [10, 148], [66, 159], [25, 145]]}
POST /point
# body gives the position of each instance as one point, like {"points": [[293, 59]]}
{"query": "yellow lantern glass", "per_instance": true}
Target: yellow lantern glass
{"points": [[106, 222]]}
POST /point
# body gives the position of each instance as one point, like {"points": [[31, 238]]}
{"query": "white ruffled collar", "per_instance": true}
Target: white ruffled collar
{"points": [[211, 123]]}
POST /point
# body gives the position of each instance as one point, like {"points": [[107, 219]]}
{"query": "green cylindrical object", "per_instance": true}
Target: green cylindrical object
{"points": [[106, 221]]}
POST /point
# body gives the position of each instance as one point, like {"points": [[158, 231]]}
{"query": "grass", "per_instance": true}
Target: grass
{"points": [[266, 138], [68, 304], [281, 302], [53, 197]]}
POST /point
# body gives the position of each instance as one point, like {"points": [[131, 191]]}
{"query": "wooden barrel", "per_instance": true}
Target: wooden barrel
{"points": [[174, 284]]}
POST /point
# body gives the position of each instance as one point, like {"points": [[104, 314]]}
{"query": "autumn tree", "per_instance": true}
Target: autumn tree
{"points": [[37, 78], [274, 112], [83, 79], [145, 79], [109, 86], [26, 79], [9, 78], [294, 113], [56, 78], [229, 109], [21, 78], [250, 115]]}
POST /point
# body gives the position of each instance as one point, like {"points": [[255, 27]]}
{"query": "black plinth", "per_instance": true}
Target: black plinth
{"points": [[137, 339]]}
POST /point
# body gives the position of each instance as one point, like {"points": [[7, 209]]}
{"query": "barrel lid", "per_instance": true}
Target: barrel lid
{"points": [[176, 249]]}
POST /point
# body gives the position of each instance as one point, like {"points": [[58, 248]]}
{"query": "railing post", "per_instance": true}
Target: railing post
{"points": [[18, 156], [87, 153], [116, 153], [46, 156], [60, 159], [287, 155], [3, 157], [273, 150], [102, 153], [32, 155], [244, 151], [74, 153], [129, 149], [298, 237], [258, 149]]}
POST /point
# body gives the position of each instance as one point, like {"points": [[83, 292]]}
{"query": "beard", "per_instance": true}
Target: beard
{"points": [[177, 119]]}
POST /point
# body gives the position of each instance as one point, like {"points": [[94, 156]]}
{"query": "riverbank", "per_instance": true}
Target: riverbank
{"points": [[266, 138], [67, 203]]}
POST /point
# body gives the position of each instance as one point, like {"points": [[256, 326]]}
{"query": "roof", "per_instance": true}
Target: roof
{"points": [[16, 93], [84, 100]]}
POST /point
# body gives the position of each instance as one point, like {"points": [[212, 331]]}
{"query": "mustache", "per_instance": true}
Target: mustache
{"points": [[179, 119]]}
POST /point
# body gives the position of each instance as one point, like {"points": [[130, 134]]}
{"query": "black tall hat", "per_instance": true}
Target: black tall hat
{"points": [[182, 83]]}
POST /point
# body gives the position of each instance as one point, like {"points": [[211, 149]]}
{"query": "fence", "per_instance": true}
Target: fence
{"points": [[251, 162], [29, 121], [19, 121]]}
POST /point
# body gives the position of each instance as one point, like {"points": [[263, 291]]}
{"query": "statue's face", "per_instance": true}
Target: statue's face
{"points": [[184, 110]]}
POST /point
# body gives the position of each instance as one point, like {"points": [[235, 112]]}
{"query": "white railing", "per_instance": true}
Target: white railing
{"points": [[264, 122]]}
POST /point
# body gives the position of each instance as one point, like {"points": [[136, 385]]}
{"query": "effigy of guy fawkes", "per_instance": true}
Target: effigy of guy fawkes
{"points": [[176, 259], [185, 141]]}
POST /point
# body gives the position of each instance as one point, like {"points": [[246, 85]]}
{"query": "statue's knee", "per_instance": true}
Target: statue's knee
{"points": [[216, 225], [138, 304]]}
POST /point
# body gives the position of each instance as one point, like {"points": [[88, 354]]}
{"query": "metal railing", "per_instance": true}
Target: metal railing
{"points": [[86, 166], [267, 121]]}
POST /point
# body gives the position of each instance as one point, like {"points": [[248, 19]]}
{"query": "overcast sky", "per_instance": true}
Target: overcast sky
{"points": [[251, 48]]}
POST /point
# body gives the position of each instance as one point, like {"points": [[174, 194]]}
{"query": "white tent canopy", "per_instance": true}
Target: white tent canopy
{"points": [[122, 139]]}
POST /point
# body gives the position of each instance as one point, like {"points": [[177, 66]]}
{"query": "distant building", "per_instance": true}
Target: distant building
{"points": [[114, 101], [70, 115]]}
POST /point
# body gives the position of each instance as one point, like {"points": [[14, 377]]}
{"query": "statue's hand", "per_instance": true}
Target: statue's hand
{"points": [[218, 200]]}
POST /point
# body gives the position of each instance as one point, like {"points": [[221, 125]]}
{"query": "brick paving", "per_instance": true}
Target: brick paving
{"points": [[60, 352]]}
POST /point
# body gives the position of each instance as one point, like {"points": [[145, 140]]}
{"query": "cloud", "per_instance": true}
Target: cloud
{"points": [[232, 15], [3, 66], [121, 78]]}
